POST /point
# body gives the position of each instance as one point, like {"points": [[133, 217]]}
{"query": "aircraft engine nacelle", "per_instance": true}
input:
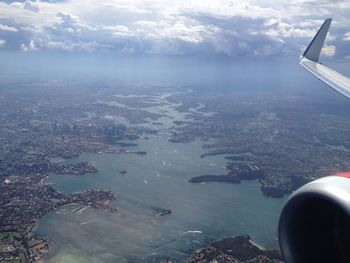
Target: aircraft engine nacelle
{"points": [[314, 225]]}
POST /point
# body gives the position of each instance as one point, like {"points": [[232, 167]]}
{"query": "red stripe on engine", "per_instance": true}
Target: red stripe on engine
{"points": [[343, 174]]}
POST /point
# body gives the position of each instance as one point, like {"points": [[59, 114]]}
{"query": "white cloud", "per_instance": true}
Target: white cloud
{"points": [[347, 36], [31, 46], [2, 42], [71, 46], [329, 50], [231, 27], [118, 30], [281, 29], [8, 28]]}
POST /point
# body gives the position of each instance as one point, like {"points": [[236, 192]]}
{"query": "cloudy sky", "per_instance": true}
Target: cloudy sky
{"points": [[173, 27]]}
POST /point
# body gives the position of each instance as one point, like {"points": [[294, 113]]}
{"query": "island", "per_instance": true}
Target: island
{"points": [[158, 211], [164, 212]]}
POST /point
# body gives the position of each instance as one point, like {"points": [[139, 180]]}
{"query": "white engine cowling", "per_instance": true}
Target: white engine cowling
{"points": [[314, 225]]}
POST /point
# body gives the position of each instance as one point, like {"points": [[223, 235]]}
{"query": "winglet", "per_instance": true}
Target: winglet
{"points": [[313, 51], [309, 61]]}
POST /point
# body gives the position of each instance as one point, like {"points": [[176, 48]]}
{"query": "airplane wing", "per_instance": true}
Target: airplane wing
{"points": [[310, 61], [314, 225]]}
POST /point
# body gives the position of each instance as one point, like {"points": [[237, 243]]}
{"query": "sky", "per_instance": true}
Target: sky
{"points": [[241, 28]]}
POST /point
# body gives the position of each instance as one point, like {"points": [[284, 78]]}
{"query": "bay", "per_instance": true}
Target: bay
{"points": [[201, 213]]}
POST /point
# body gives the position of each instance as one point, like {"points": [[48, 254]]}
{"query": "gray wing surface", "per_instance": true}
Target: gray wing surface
{"points": [[310, 61]]}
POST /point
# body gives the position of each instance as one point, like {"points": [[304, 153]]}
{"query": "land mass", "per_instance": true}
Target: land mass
{"points": [[238, 249], [40, 132], [236, 175], [290, 140]]}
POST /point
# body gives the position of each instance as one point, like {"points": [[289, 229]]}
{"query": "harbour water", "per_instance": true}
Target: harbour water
{"points": [[201, 213]]}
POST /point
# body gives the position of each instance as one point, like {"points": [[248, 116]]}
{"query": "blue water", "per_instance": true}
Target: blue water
{"points": [[157, 180]]}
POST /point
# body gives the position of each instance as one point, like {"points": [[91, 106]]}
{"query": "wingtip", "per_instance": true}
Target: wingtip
{"points": [[313, 51]]}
